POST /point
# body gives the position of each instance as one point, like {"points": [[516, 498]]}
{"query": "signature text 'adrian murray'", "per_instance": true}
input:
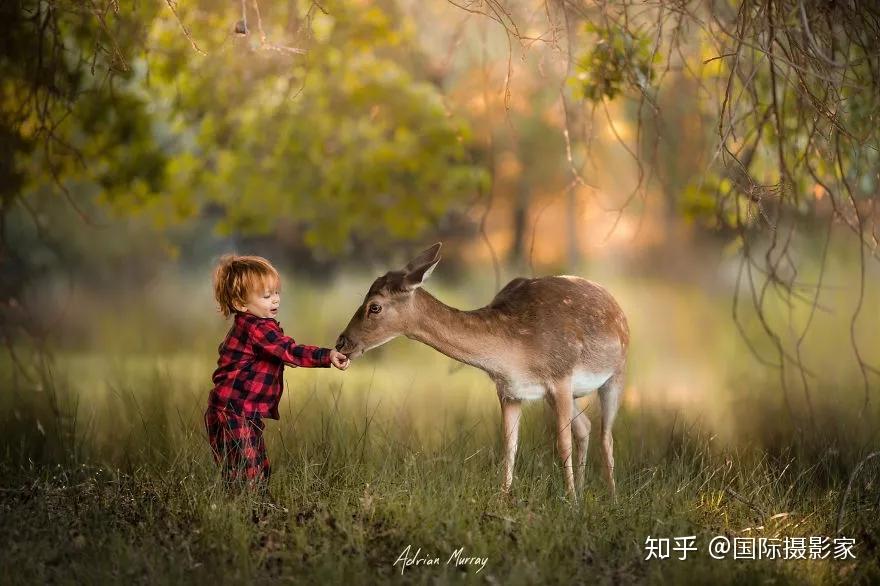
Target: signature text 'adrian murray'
{"points": [[409, 558]]}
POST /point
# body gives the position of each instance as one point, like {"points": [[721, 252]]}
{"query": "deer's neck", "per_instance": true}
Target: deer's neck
{"points": [[465, 336]]}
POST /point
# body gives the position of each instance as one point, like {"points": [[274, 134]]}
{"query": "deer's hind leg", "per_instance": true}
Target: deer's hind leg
{"points": [[563, 402], [609, 398], [580, 428]]}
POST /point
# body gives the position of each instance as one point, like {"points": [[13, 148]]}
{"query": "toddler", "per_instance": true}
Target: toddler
{"points": [[248, 379]]}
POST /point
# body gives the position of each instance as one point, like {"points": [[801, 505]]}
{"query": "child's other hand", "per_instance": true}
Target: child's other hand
{"points": [[339, 360]]}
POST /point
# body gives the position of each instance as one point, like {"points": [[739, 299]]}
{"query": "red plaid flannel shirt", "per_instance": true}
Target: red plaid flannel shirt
{"points": [[249, 374]]}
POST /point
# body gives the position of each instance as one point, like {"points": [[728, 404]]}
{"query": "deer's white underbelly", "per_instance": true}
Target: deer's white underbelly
{"points": [[583, 382]]}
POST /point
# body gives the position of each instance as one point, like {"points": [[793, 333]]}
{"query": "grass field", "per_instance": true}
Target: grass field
{"points": [[107, 478]]}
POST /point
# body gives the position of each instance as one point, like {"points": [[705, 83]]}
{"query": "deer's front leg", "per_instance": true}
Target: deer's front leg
{"points": [[510, 413]]}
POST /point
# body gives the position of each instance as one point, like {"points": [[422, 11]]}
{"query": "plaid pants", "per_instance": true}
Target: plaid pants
{"points": [[238, 447]]}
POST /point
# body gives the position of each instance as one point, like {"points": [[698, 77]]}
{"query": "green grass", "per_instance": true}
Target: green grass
{"points": [[107, 477], [366, 468]]}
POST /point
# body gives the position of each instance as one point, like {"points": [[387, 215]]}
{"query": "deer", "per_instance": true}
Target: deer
{"points": [[555, 337]]}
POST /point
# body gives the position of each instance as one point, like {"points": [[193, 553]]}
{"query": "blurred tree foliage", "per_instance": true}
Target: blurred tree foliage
{"points": [[794, 99], [70, 125], [344, 142], [619, 58]]}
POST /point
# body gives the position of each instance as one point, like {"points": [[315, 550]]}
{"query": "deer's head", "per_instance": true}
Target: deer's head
{"points": [[388, 308]]}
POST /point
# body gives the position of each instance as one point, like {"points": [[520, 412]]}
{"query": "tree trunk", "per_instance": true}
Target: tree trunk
{"points": [[571, 225], [520, 214]]}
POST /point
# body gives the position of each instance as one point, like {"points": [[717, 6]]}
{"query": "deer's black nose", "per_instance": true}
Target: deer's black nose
{"points": [[340, 343]]}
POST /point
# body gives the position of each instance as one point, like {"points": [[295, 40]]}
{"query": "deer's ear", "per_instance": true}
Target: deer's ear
{"points": [[418, 275], [426, 257]]}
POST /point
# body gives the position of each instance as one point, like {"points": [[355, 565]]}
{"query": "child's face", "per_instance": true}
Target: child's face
{"points": [[263, 302]]}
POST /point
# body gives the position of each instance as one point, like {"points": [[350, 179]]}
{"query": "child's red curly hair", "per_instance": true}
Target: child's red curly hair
{"points": [[236, 277]]}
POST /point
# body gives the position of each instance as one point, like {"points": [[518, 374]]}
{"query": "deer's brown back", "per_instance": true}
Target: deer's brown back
{"points": [[562, 323]]}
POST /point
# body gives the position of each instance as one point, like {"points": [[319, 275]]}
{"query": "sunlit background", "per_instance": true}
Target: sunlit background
{"points": [[390, 134]]}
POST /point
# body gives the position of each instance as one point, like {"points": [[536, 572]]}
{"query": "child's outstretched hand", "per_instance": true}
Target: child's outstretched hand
{"points": [[339, 360]]}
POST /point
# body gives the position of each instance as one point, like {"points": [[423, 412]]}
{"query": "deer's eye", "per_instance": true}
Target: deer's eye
{"points": [[375, 308]]}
